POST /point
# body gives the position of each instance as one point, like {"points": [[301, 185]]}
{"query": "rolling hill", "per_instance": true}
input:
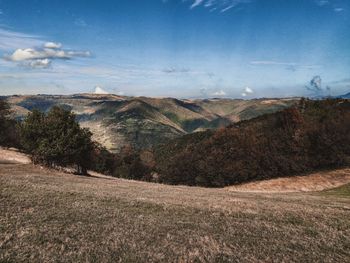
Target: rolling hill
{"points": [[50, 216], [117, 121]]}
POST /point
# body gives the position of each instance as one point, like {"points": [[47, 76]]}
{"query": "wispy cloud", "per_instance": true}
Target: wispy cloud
{"points": [[80, 22], [322, 2], [176, 70], [215, 5], [228, 8], [271, 62], [10, 40], [338, 9], [292, 66], [226, 5], [330, 4], [196, 3]]}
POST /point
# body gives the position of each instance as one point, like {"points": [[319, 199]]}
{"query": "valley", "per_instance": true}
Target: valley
{"points": [[141, 122]]}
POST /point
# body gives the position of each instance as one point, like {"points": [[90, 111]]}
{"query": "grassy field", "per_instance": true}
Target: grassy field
{"points": [[48, 216]]}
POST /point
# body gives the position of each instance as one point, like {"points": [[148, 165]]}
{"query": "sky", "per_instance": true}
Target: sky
{"points": [[175, 48]]}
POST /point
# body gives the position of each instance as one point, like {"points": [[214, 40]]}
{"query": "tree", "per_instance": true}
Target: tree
{"points": [[103, 161], [4, 112], [32, 132], [56, 139], [8, 132]]}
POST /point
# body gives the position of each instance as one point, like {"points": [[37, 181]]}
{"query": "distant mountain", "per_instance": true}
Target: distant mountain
{"points": [[142, 122], [345, 96]]}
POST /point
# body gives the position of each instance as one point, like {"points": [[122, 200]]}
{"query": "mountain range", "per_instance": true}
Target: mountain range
{"points": [[142, 122]]}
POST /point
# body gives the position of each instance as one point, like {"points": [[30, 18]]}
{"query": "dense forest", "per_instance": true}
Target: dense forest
{"points": [[313, 135]]}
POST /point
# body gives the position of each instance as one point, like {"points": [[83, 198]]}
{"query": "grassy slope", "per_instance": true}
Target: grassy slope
{"points": [[52, 217], [318, 181]]}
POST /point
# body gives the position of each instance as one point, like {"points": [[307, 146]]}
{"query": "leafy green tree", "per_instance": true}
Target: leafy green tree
{"points": [[32, 132], [56, 139]]}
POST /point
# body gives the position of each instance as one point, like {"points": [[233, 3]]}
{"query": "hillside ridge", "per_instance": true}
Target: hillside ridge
{"points": [[143, 122]]}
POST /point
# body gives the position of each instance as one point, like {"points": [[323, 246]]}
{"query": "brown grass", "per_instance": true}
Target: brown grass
{"points": [[13, 156], [308, 183], [48, 216]]}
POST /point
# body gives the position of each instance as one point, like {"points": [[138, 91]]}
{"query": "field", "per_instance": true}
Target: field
{"points": [[48, 216]]}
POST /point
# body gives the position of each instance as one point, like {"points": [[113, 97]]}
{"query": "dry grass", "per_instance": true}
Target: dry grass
{"points": [[308, 183], [49, 216], [13, 156]]}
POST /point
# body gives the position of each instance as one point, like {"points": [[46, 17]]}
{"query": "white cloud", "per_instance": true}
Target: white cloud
{"points": [[38, 63], [41, 58], [52, 45], [99, 90], [30, 53], [219, 93], [247, 91]]}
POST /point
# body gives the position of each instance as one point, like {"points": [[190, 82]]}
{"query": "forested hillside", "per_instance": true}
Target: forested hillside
{"points": [[310, 136]]}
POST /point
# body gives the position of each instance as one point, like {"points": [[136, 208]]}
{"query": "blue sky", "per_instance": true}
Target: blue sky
{"points": [[178, 48]]}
